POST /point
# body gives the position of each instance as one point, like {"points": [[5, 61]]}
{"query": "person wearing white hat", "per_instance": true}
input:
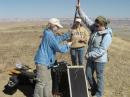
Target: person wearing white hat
{"points": [[79, 40], [45, 57], [78, 20], [55, 22]]}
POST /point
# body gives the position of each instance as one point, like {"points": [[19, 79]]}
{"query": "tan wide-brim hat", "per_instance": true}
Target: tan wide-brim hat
{"points": [[56, 22]]}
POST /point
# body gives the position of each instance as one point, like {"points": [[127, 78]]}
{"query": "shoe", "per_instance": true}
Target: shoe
{"points": [[93, 93]]}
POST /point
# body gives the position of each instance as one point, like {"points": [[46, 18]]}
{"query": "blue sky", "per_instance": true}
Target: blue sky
{"points": [[63, 8]]}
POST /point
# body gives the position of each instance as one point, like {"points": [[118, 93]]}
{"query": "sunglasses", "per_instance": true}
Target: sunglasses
{"points": [[97, 26]]}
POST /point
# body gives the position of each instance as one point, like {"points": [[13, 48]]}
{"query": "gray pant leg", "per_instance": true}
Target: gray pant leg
{"points": [[43, 84]]}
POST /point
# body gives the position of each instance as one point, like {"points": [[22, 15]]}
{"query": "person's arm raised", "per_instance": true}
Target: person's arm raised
{"points": [[84, 17]]}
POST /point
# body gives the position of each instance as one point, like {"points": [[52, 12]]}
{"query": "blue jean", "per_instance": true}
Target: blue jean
{"points": [[97, 86], [77, 56]]}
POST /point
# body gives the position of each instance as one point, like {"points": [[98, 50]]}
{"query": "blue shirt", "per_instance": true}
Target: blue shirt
{"points": [[49, 45]]}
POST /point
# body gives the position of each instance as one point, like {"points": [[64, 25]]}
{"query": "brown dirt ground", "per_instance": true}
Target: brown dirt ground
{"points": [[18, 44]]}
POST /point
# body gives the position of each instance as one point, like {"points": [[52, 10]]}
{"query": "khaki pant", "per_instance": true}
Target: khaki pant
{"points": [[43, 86]]}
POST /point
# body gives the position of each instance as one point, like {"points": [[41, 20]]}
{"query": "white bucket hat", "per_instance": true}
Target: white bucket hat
{"points": [[56, 22], [78, 20]]}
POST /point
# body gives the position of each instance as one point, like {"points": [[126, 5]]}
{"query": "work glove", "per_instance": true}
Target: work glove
{"points": [[86, 56], [69, 43]]}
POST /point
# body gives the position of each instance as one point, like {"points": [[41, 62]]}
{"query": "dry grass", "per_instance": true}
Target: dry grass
{"points": [[19, 43]]}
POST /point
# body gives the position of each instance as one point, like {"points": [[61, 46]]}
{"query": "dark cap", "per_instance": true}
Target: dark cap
{"points": [[102, 20]]}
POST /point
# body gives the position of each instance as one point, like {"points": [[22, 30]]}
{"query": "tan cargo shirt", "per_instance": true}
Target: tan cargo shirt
{"points": [[79, 37]]}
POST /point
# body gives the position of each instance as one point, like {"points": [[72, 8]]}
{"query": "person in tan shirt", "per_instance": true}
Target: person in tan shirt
{"points": [[79, 39]]}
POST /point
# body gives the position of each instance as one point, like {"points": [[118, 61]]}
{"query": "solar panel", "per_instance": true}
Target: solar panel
{"points": [[77, 81]]}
